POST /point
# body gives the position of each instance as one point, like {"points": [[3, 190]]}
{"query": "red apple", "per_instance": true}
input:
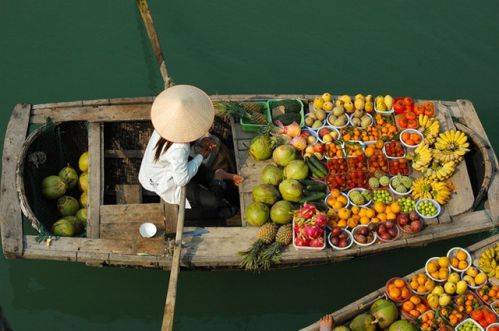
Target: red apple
{"points": [[323, 132], [416, 226], [319, 148]]}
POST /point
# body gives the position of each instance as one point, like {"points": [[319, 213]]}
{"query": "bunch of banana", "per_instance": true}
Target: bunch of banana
{"points": [[429, 127], [440, 171], [422, 157], [451, 145], [427, 188], [489, 261]]}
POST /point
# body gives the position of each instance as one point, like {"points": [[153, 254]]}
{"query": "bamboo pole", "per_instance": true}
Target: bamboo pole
{"points": [[153, 38], [172, 285]]}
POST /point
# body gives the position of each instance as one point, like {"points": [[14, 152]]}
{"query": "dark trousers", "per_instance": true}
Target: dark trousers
{"points": [[203, 192]]}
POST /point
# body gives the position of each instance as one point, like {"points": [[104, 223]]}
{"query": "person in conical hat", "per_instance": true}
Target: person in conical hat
{"points": [[180, 115]]}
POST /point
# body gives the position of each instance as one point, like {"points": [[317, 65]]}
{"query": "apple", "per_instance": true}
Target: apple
{"points": [[403, 219], [319, 148], [389, 224], [323, 132], [416, 226], [336, 231]]}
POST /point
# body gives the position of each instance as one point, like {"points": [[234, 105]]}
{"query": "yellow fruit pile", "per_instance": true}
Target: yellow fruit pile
{"points": [[438, 268], [421, 283], [489, 261], [336, 200], [459, 260], [474, 277], [380, 212]]}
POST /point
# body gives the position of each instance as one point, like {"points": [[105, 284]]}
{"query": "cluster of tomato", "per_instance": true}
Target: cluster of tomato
{"points": [[483, 316], [398, 167], [356, 178], [394, 149], [375, 158], [337, 178]]}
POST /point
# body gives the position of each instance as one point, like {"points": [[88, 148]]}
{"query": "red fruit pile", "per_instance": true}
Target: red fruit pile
{"points": [[339, 237], [308, 226], [398, 167], [410, 223], [394, 149], [387, 231], [483, 316]]}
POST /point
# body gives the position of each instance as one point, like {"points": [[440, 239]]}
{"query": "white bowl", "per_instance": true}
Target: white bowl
{"points": [[358, 189], [428, 274], [398, 193], [350, 239], [381, 112], [395, 238], [392, 157], [359, 127], [344, 194], [467, 320], [338, 127], [330, 127], [477, 287], [147, 230], [451, 254], [492, 325], [375, 236], [309, 127], [410, 131], [439, 209]]}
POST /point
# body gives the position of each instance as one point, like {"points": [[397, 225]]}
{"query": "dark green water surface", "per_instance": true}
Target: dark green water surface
{"points": [[72, 50]]}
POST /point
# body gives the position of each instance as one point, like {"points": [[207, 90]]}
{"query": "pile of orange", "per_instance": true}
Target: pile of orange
{"points": [[354, 149], [397, 290], [438, 268], [489, 294], [411, 139], [415, 307], [386, 127], [459, 260], [421, 283], [336, 200], [333, 150], [351, 217], [369, 134]]}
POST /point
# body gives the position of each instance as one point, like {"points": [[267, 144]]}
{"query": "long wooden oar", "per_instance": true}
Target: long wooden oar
{"points": [[171, 295]]}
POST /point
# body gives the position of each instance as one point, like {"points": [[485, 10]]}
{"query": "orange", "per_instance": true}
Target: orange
{"points": [[369, 151], [355, 210], [344, 213], [421, 280], [379, 206], [415, 299], [414, 313], [342, 199], [406, 293], [454, 262], [335, 193], [432, 267], [395, 207], [414, 284], [407, 306], [461, 256], [370, 213], [375, 220], [462, 265], [421, 289], [434, 274], [362, 212], [391, 216], [399, 283], [351, 223], [429, 285], [443, 274], [364, 220], [342, 223], [443, 261], [394, 293], [382, 217], [338, 205]]}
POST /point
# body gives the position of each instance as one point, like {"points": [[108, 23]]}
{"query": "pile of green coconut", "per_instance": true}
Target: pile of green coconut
{"points": [[66, 187]]}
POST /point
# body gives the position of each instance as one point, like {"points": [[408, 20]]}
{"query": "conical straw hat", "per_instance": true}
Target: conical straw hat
{"points": [[182, 113]]}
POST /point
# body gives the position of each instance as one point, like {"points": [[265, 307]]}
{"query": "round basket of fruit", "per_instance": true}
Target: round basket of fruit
{"points": [[337, 200], [328, 134], [410, 222], [394, 150], [421, 284], [460, 259], [414, 307], [383, 105], [468, 325], [411, 138], [474, 277], [361, 120], [401, 185], [387, 231], [428, 208], [338, 118], [313, 122], [360, 197], [364, 235], [483, 316], [396, 289], [340, 239], [437, 269]]}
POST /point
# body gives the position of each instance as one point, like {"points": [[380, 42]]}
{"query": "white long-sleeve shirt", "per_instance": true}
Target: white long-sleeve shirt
{"points": [[170, 172]]}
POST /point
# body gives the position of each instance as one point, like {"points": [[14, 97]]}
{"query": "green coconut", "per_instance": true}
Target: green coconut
{"points": [[281, 212], [385, 312], [291, 190], [53, 187], [265, 193], [402, 325], [257, 214], [69, 176], [81, 215], [64, 228], [78, 225], [260, 148], [271, 174], [341, 328], [363, 322], [67, 206]]}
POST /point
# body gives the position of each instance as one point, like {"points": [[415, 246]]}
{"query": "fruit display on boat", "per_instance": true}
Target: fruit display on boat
{"points": [[489, 261]]}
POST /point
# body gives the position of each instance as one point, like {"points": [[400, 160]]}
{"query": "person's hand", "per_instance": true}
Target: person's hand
{"points": [[205, 153], [237, 179]]}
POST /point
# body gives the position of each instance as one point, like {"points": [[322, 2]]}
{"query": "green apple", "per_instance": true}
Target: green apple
{"points": [[432, 300], [461, 287], [454, 277], [450, 288], [438, 290]]}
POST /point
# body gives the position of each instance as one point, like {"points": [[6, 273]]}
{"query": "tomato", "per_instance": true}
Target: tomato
{"points": [[410, 115], [408, 101], [399, 106], [419, 109], [477, 314], [429, 111], [403, 122], [412, 124]]}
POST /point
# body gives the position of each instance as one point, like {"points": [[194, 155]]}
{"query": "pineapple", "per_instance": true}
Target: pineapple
{"points": [[284, 235], [250, 111], [272, 253], [264, 237], [267, 233]]}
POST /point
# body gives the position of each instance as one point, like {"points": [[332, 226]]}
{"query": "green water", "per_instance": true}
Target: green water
{"points": [[71, 50]]}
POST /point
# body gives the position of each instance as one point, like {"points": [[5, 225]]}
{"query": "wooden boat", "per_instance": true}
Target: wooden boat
{"points": [[348, 312], [116, 131]]}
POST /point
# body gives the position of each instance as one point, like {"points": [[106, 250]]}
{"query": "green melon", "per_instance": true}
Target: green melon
{"points": [[63, 228], [67, 206], [53, 187], [69, 176]]}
